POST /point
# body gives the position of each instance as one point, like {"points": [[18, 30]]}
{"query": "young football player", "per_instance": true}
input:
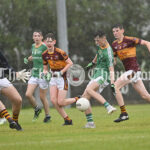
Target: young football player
{"points": [[37, 49], [125, 48], [7, 89], [103, 75], [59, 63]]}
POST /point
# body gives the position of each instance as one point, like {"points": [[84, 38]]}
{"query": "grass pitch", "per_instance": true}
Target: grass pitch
{"points": [[133, 134]]}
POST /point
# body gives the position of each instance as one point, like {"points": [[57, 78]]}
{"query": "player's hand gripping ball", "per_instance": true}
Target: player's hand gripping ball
{"points": [[82, 104]]}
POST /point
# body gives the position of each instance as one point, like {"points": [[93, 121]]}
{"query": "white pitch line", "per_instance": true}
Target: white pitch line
{"points": [[69, 140]]}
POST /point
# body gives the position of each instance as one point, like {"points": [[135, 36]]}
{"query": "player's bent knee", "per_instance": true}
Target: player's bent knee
{"points": [[28, 95], [54, 101], [60, 103], [18, 101]]}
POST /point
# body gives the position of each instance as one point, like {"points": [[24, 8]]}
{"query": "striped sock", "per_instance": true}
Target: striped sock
{"points": [[4, 113], [89, 117], [67, 118], [77, 97], [15, 117], [106, 104], [123, 109]]}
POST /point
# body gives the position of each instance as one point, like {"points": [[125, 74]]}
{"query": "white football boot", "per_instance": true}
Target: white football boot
{"points": [[90, 125], [2, 121], [110, 109]]}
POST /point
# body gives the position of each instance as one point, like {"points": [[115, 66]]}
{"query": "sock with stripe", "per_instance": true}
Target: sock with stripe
{"points": [[106, 104], [67, 118], [77, 97], [15, 117], [89, 117], [4, 113], [123, 109]]}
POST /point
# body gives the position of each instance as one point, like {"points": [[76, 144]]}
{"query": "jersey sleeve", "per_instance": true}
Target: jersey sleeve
{"points": [[64, 55], [114, 51], [110, 58], [136, 40]]}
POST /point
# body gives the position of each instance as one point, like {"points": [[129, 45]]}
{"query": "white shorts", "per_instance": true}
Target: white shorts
{"points": [[101, 86], [132, 75], [4, 83], [43, 84], [61, 83]]}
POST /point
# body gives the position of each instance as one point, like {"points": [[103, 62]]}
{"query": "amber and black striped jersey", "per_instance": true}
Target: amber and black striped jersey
{"points": [[126, 51], [56, 60]]}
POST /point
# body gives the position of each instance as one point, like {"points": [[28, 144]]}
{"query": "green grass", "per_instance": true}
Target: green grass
{"points": [[133, 134]]}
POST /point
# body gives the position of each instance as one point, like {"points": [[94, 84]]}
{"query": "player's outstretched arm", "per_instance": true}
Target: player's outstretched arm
{"points": [[69, 64], [91, 64], [95, 59], [27, 59], [146, 43]]}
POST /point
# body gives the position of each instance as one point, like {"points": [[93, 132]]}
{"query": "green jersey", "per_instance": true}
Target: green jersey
{"points": [[104, 61], [37, 59]]}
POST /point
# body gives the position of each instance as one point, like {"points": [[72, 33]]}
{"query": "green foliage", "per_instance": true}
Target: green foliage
{"points": [[19, 18], [128, 135], [86, 17]]}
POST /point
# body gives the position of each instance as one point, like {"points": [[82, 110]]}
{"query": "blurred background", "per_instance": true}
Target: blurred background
{"points": [[19, 18]]}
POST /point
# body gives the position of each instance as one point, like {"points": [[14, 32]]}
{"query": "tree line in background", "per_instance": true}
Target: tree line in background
{"points": [[19, 18]]}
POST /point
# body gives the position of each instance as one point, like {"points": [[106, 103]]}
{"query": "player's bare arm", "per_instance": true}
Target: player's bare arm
{"points": [[30, 58], [27, 59], [91, 64], [95, 59], [112, 75], [69, 64], [115, 60], [146, 43]]}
